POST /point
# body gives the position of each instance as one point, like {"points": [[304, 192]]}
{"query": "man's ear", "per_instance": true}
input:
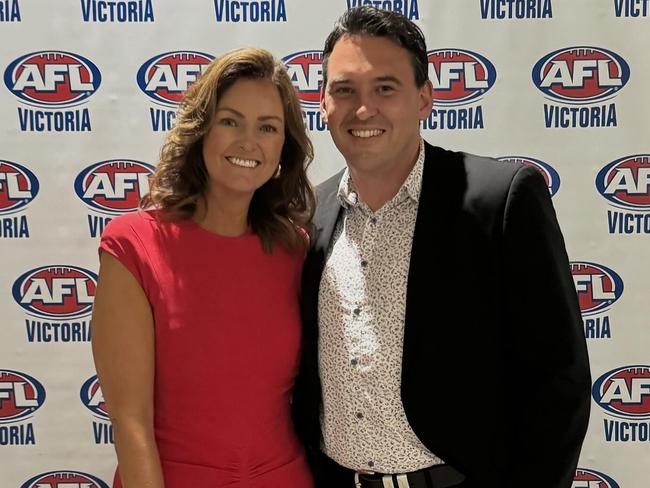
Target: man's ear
{"points": [[426, 100], [323, 105]]}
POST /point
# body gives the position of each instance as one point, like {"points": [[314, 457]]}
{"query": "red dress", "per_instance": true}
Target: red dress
{"points": [[227, 330]]}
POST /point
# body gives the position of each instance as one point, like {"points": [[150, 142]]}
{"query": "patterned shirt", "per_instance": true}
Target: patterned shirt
{"points": [[361, 307]]}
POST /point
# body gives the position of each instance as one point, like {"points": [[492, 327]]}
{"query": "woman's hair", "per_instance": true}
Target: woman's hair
{"points": [[282, 208]]}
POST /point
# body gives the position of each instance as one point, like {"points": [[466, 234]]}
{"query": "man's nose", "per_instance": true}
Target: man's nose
{"points": [[367, 107]]}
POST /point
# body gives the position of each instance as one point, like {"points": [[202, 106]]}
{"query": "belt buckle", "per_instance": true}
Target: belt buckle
{"points": [[402, 481], [386, 480], [357, 481]]}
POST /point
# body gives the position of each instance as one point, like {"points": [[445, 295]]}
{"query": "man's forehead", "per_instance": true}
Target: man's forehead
{"points": [[371, 57]]}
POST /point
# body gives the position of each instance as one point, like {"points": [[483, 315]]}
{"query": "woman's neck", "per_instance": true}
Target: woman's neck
{"points": [[224, 216]]}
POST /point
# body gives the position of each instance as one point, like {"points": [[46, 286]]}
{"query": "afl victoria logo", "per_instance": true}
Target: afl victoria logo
{"points": [[305, 69], [56, 292], [18, 187], [114, 186], [459, 76], [20, 396], [165, 77], [581, 74], [52, 79]]}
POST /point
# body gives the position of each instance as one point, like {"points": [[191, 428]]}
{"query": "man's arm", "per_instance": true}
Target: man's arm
{"points": [[545, 343]]}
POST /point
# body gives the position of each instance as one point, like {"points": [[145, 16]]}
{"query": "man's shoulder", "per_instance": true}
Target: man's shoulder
{"points": [[473, 164], [329, 186], [478, 175]]}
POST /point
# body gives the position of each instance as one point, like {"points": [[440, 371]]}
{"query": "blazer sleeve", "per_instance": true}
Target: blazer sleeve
{"points": [[544, 340]]}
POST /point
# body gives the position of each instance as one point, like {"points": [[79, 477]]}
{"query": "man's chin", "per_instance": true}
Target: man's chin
{"points": [[362, 161]]}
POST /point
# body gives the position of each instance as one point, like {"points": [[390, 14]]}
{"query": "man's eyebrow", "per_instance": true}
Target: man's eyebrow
{"points": [[384, 78], [389, 78], [339, 81], [241, 115]]}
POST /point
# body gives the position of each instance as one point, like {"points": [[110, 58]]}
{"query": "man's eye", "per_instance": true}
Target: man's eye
{"points": [[343, 90], [386, 89]]}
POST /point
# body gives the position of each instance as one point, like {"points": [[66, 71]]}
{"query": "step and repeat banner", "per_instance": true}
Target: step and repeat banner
{"points": [[89, 89]]}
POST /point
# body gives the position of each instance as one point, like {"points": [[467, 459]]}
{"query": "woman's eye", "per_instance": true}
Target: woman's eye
{"points": [[228, 122], [268, 128]]}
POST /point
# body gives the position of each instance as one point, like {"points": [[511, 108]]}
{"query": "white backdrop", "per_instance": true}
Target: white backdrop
{"points": [[90, 87]]}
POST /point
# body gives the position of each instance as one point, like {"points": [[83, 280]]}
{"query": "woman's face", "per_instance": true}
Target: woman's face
{"points": [[242, 148]]}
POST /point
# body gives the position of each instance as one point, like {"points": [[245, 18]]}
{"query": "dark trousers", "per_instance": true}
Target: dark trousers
{"points": [[330, 474]]}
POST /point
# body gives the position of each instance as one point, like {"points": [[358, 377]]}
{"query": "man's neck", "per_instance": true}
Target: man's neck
{"points": [[375, 188]]}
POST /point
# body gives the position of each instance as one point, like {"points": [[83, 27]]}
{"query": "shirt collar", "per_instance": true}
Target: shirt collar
{"points": [[348, 196]]}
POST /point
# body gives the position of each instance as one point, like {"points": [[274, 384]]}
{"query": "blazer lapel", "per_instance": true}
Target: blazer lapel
{"points": [[325, 220], [441, 196]]}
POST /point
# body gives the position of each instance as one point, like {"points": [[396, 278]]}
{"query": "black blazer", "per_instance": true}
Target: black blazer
{"points": [[495, 375]]}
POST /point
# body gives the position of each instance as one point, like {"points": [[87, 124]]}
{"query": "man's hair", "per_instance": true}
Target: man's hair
{"points": [[374, 22]]}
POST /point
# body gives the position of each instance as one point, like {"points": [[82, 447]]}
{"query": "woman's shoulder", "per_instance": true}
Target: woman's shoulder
{"points": [[139, 222]]}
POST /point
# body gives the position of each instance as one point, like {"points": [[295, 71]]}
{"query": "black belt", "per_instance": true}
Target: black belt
{"points": [[439, 476]]}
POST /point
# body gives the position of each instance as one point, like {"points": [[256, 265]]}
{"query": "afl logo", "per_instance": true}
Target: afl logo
{"points": [[93, 399], [166, 77], [551, 176], [18, 187], [56, 292], [598, 287], [20, 396], [52, 79], [305, 69], [581, 74], [64, 479], [459, 77], [625, 182], [624, 392], [114, 186], [588, 478]]}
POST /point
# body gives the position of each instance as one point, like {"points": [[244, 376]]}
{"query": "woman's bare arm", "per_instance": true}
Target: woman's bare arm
{"points": [[123, 346]]}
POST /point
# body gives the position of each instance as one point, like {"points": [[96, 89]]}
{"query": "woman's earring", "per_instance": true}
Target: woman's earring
{"points": [[278, 171]]}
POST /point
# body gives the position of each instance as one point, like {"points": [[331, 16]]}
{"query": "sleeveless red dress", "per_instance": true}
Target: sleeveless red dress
{"points": [[227, 331]]}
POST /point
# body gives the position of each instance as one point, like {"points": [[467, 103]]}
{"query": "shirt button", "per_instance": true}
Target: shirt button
{"points": [[359, 415], [356, 311], [354, 362], [373, 220], [364, 263], [371, 463]]}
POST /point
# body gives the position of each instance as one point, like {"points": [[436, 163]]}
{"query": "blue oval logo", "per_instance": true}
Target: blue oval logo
{"points": [[56, 292], [305, 70], [625, 183], [598, 287], [166, 77], [588, 478], [93, 399], [624, 392], [459, 76], [114, 186], [52, 79], [581, 74], [18, 187], [20, 396], [55, 479]]}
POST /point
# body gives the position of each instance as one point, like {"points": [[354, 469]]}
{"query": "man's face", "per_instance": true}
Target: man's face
{"points": [[372, 104]]}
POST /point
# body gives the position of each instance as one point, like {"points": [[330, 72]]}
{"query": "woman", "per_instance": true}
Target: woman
{"points": [[196, 329]]}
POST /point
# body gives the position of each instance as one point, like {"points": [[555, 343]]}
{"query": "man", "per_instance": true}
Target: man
{"points": [[443, 342]]}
